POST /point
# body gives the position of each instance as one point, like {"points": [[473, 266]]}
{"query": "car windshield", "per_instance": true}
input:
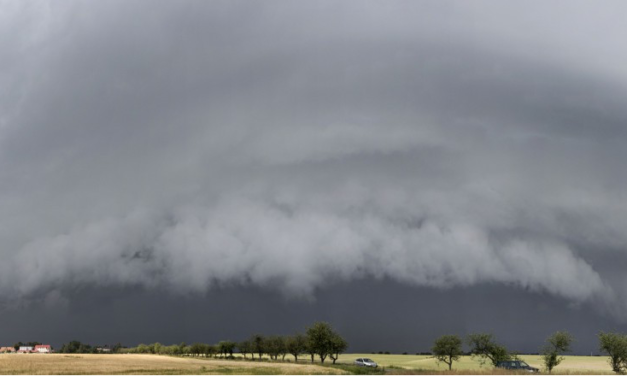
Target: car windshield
{"points": [[368, 360], [523, 364]]}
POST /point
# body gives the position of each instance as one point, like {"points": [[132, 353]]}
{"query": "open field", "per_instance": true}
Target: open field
{"points": [[140, 364], [168, 365], [571, 364]]}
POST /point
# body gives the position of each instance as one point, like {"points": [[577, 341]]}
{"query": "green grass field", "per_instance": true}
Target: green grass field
{"points": [[571, 364]]}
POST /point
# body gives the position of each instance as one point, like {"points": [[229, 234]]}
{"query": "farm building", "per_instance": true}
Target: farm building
{"points": [[25, 349], [44, 349], [8, 349]]}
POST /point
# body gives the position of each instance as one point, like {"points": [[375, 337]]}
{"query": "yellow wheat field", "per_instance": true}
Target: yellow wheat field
{"points": [[167, 365], [570, 365], [141, 364]]}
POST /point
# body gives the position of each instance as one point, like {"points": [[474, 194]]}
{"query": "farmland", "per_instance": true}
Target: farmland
{"points": [[141, 364], [571, 364], [170, 365]]}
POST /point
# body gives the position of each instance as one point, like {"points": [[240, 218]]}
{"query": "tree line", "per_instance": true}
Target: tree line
{"points": [[319, 341], [449, 348], [77, 347], [323, 342]]}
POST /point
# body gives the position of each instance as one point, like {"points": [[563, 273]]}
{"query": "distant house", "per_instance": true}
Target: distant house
{"points": [[103, 349], [44, 349], [9, 349], [25, 349]]}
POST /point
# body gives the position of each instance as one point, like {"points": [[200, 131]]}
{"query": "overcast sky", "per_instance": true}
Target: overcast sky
{"points": [[429, 162]]}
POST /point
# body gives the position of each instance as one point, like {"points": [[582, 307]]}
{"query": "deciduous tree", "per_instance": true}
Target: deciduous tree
{"points": [[275, 346], [258, 343], [245, 347], [197, 349], [226, 347], [338, 346], [556, 345], [447, 349], [615, 345], [296, 345], [483, 346], [319, 339]]}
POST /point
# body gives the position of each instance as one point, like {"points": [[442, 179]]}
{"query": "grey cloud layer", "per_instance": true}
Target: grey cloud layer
{"points": [[183, 145]]}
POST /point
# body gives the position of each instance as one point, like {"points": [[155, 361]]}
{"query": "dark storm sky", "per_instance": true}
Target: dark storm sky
{"points": [[195, 171]]}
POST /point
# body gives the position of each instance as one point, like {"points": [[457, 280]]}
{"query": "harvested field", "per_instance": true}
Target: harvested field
{"points": [[139, 364]]}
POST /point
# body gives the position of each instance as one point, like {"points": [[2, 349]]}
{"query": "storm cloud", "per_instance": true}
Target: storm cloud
{"points": [[181, 146]]}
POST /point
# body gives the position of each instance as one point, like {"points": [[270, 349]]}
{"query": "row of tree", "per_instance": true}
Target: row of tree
{"points": [[319, 340], [77, 347], [449, 348]]}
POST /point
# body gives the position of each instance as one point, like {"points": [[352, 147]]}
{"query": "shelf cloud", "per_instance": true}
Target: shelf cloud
{"points": [[186, 145]]}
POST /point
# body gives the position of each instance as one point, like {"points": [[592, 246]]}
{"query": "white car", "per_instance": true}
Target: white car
{"points": [[365, 362]]}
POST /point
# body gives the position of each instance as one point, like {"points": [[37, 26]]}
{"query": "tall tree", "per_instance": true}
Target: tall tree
{"points": [[483, 346], [447, 349], [258, 344], [296, 345], [556, 345], [338, 346], [310, 350], [226, 348], [172, 350], [320, 335], [210, 350], [283, 348], [275, 346], [244, 347], [615, 345], [157, 348], [197, 349]]}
